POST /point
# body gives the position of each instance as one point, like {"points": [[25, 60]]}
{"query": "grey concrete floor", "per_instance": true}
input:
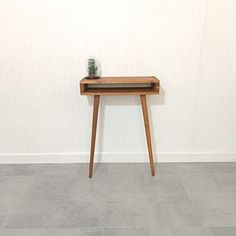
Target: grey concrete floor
{"points": [[122, 199]]}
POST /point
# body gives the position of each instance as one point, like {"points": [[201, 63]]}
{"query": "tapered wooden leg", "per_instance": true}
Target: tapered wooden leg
{"points": [[147, 130], [94, 129]]}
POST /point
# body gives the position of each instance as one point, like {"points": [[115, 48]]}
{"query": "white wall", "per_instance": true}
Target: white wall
{"points": [[188, 44]]}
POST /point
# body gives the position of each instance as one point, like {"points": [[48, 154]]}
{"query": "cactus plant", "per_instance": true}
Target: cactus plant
{"points": [[92, 69]]}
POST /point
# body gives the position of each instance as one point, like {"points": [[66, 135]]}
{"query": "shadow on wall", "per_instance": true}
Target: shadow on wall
{"points": [[153, 100]]}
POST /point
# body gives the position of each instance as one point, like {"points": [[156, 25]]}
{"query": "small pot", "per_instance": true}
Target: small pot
{"points": [[92, 77]]}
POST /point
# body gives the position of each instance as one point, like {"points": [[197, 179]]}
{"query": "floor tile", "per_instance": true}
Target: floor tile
{"points": [[204, 167], [53, 232], [177, 231], [219, 167], [153, 231], [195, 182], [16, 184], [129, 209], [182, 199], [165, 187], [218, 217], [2, 220], [20, 232], [223, 231], [73, 169], [26, 219], [54, 185], [77, 214], [179, 213], [124, 231], [21, 169], [226, 181]]}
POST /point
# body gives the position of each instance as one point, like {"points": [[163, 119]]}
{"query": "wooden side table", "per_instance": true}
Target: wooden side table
{"points": [[142, 86]]}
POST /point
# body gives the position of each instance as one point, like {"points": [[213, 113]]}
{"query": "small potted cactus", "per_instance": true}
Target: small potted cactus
{"points": [[92, 69]]}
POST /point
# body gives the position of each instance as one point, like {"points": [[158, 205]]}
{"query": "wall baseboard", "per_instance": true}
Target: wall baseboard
{"points": [[82, 157]]}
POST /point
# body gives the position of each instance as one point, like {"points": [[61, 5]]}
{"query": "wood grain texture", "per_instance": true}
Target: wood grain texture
{"points": [[120, 91], [147, 131], [121, 80], [94, 131], [152, 87]]}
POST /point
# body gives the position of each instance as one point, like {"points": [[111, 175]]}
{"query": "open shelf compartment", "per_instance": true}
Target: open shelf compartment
{"points": [[120, 86]]}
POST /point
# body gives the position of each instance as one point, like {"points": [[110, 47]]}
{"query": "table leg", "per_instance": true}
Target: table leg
{"points": [[94, 129], [147, 130]]}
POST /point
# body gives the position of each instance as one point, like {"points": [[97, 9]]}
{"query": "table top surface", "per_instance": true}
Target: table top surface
{"points": [[121, 80]]}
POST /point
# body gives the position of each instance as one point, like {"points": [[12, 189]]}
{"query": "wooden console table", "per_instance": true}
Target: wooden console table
{"points": [[142, 86]]}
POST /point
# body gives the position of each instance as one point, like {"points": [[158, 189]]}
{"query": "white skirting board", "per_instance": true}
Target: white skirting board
{"points": [[113, 157]]}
